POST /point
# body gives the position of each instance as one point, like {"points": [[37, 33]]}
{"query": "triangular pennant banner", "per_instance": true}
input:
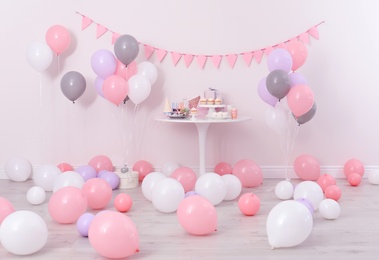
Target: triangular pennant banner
{"points": [[216, 59], [148, 51], [314, 32], [100, 30], [86, 22], [201, 59], [114, 37], [281, 45], [258, 56], [247, 57], [304, 37], [188, 58], [268, 50], [231, 58], [175, 57], [161, 54]]}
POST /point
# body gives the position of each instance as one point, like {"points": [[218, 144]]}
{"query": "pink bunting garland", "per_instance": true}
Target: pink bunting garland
{"points": [[201, 59]]}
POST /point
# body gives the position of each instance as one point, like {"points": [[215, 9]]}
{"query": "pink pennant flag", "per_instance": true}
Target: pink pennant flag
{"points": [[148, 51], [216, 59], [258, 56], [114, 37], [161, 54], [201, 59], [304, 37], [294, 39], [86, 22], [314, 32], [175, 57], [268, 50], [188, 58], [100, 30], [281, 45], [231, 58], [247, 57]]}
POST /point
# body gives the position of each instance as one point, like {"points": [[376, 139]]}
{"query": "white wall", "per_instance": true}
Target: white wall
{"points": [[39, 123]]}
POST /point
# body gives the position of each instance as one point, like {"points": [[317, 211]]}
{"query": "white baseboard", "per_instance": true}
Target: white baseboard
{"points": [[269, 172]]}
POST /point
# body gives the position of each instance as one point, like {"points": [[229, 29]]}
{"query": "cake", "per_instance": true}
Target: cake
{"points": [[210, 101], [218, 101], [193, 111], [203, 101]]}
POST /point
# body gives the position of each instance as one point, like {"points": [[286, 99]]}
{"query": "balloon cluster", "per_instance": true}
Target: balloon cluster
{"points": [[119, 78], [282, 81]]}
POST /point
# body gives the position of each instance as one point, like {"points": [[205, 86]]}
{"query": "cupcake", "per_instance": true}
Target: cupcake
{"points": [[203, 101], [193, 111], [218, 101], [210, 101]]}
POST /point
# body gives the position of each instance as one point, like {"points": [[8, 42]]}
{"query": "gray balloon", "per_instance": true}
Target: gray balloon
{"points": [[307, 116], [126, 48], [73, 85], [278, 83]]}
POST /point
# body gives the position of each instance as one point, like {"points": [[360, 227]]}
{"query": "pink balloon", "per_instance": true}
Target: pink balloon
{"points": [[249, 173], [113, 235], [186, 176], [65, 167], [115, 89], [6, 208], [353, 166], [143, 168], [58, 38], [197, 215], [307, 167], [300, 99], [98, 193], [326, 180], [299, 53], [123, 202], [101, 162], [354, 179], [249, 204], [67, 204], [223, 168], [333, 192], [126, 71]]}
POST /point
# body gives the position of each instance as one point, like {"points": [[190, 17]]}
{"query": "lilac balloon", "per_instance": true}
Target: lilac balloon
{"points": [[83, 223], [112, 178], [297, 79], [307, 203], [86, 171], [101, 173], [279, 59], [103, 63], [264, 94], [99, 86], [190, 193]]}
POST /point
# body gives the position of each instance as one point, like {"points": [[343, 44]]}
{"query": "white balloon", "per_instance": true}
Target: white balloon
{"points": [[18, 169], [23, 232], [45, 176], [276, 118], [148, 70], [139, 88], [167, 195], [149, 181], [284, 190], [233, 186], [309, 190], [329, 209], [68, 178], [36, 195], [212, 187], [169, 167], [289, 223], [39, 56], [373, 177]]}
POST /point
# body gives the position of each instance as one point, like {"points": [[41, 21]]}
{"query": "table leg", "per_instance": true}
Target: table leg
{"points": [[202, 129]]}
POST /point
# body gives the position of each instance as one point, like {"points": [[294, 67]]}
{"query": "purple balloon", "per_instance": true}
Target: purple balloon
{"points": [[264, 94], [101, 173], [83, 223], [190, 193], [279, 59], [297, 79], [112, 178], [99, 86], [86, 171], [103, 63]]}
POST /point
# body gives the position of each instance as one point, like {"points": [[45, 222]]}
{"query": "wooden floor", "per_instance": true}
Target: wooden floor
{"points": [[354, 235]]}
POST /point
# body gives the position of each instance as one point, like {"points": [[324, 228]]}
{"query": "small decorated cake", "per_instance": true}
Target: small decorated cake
{"points": [[218, 101], [193, 111], [210, 101], [203, 101]]}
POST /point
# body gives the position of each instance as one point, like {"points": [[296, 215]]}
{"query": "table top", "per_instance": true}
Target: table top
{"points": [[202, 120]]}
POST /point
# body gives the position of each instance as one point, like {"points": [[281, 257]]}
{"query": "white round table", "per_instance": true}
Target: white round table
{"points": [[202, 126]]}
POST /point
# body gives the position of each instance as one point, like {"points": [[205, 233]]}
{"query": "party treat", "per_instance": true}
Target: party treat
{"points": [[203, 101], [210, 101], [193, 111], [218, 101]]}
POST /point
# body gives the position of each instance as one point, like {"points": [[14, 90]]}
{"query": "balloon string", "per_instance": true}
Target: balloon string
{"points": [[59, 68], [41, 116], [131, 134]]}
